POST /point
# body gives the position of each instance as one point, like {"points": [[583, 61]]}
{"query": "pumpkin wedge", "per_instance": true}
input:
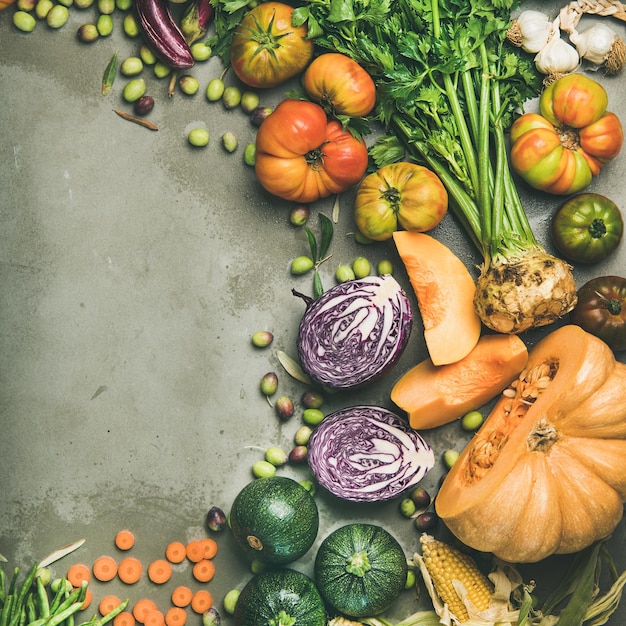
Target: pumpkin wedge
{"points": [[445, 295], [433, 395], [546, 473]]}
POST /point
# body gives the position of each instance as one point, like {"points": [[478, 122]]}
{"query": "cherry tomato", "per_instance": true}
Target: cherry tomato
{"points": [[340, 85], [399, 195], [601, 310], [301, 156], [267, 49], [562, 148], [587, 228]]}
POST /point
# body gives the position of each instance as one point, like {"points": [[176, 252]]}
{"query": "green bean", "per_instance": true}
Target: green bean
{"points": [[31, 612], [21, 596], [3, 592], [112, 614], [42, 597], [13, 582], [6, 610], [60, 617]]}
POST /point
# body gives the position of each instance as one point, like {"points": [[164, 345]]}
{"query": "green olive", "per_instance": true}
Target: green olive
{"points": [[312, 399], [410, 579], [198, 137], [147, 55], [24, 21], [450, 458], [249, 154], [269, 384], [134, 89], [131, 66], [57, 16], [230, 600], [249, 101], [302, 436], [263, 469], [312, 417], [301, 265], [472, 421], [188, 84], [106, 6], [299, 215], [104, 24], [262, 338], [42, 8], [407, 507], [284, 407], [215, 90], [123, 5], [131, 27], [344, 273], [276, 456], [66, 3], [201, 51], [161, 70], [361, 267], [231, 97], [83, 4], [88, 33], [25, 5], [385, 266]]}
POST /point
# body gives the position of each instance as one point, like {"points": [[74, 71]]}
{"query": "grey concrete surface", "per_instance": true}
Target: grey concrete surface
{"points": [[134, 269]]}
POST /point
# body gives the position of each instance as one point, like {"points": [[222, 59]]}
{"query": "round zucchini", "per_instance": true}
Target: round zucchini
{"points": [[274, 520], [281, 597], [360, 569]]}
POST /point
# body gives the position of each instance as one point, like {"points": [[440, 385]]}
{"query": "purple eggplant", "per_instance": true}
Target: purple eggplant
{"points": [[196, 20], [163, 33]]}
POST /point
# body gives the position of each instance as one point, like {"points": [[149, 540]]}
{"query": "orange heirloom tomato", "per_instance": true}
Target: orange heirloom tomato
{"points": [[267, 49], [5, 3], [561, 149], [399, 195], [340, 85], [301, 156]]}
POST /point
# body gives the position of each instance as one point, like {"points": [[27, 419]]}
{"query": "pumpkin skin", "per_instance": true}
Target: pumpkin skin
{"points": [[553, 479]]}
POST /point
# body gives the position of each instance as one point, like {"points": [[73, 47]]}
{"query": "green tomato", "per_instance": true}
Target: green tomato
{"points": [[587, 228]]}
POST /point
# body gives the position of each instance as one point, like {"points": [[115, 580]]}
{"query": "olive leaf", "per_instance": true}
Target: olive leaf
{"points": [[319, 251], [110, 73]]}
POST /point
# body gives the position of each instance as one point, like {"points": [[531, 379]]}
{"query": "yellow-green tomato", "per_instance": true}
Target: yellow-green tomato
{"points": [[399, 196]]}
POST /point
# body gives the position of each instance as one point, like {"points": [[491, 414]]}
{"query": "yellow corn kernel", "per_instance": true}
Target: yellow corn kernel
{"points": [[446, 564]]}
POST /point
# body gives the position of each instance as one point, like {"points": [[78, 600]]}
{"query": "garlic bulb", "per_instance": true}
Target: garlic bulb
{"points": [[600, 45], [557, 57], [530, 30]]}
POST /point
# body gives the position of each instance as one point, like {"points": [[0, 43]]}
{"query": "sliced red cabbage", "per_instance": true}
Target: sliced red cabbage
{"points": [[355, 332], [368, 454]]}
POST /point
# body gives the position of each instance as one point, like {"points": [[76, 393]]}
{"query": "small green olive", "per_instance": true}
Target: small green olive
{"points": [[215, 89], [57, 16], [42, 8], [312, 399], [161, 70], [344, 273], [449, 458], [269, 384], [44, 575], [309, 485], [200, 51], [312, 417], [134, 89], [198, 137], [385, 266], [361, 267], [147, 55], [472, 421], [410, 579], [229, 141], [188, 84], [262, 338], [302, 436], [104, 24], [249, 154], [106, 6], [231, 97], [131, 26], [407, 507], [263, 469], [299, 215], [66, 3], [123, 5], [88, 33], [83, 4], [131, 66], [249, 101], [276, 456], [284, 407], [24, 21], [302, 265], [230, 600], [25, 5]]}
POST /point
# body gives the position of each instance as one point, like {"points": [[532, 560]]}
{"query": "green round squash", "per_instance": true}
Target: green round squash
{"points": [[280, 597], [274, 520], [360, 569]]}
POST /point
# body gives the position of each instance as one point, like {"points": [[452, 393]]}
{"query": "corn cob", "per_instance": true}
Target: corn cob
{"points": [[446, 564]]}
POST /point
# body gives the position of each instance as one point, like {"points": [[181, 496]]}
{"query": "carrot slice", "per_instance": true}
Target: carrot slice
{"points": [[201, 601], [209, 546], [142, 607], [108, 603], [88, 599], [175, 552], [104, 568], [124, 539], [181, 596], [204, 570], [159, 571], [175, 616], [129, 570], [125, 618], [77, 574], [195, 551], [154, 618]]}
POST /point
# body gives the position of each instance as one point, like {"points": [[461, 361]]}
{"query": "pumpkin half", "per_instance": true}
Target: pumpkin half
{"points": [[546, 473]]}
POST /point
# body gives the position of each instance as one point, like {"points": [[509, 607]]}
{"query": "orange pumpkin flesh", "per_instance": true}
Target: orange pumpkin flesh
{"points": [[545, 475], [445, 295], [433, 395]]}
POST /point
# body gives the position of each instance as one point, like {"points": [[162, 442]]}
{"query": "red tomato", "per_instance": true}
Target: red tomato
{"points": [[301, 156], [399, 195], [340, 85], [267, 49], [564, 147]]}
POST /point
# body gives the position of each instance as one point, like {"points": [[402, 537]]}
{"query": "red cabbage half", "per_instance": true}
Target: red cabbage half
{"points": [[353, 333], [368, 454]]}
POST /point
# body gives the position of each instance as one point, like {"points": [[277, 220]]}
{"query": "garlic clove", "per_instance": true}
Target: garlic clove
{"points": [[557, 57]]}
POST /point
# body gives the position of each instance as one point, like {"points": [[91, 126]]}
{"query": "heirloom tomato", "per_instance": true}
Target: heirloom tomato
{"points": [[587, 228], [267, 49], [601, 310], [560, 149], [301, 156], [340, 85], [399, 195]]}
